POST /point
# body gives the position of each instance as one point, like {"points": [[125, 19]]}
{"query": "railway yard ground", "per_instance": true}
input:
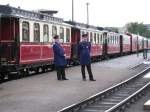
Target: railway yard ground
{"points": [[44, 93]]}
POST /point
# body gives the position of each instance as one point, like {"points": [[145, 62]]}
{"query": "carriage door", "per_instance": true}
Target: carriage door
{"points": [[121, 44], [105, 48], [146, 43], [9, 39], [131, 42], [75, 39]]}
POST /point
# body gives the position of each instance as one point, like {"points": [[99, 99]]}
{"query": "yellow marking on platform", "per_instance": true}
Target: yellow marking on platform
{"points": [[147, 75], [147, 105]]}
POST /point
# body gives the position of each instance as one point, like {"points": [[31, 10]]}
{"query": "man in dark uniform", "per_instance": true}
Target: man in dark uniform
{"points": [[145, 53], [59, 59], [84, 49]]}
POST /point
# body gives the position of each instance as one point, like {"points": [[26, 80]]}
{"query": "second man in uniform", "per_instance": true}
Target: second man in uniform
{"points": [[84, 49]]}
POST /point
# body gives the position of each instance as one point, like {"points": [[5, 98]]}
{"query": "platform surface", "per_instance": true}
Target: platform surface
{"points": [[43, 93]]}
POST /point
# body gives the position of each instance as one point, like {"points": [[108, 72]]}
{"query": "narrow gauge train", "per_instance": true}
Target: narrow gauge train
{"points": [[26, 41], [104, 43]]}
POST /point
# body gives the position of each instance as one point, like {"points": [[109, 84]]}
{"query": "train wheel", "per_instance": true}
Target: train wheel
{"points": [[2, 77], [43, 69], [23, 73], [52, 67], [37, 70], [11, 76], [19, 74]]}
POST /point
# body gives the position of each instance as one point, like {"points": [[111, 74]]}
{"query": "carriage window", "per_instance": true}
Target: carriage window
{"points": [[108, 39], [36, 32], [117, 38], [25, 31], [54, 31], [45, 33], [91, 37], [94, 38], [101, 39], [67, 35], [62, 33], [88, 35], [82, 33], [113, 39], [98, 41]]}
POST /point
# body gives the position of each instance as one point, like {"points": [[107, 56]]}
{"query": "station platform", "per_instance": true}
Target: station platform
{"points": [[44, 93]]}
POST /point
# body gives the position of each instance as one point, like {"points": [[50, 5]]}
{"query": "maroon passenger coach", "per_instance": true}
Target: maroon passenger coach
{"points": [[26, 39]]}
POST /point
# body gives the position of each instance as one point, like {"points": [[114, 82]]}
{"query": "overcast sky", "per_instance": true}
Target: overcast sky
{"points": [[101, 12]]}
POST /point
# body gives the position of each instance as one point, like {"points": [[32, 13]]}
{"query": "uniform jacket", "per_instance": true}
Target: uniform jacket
{"points": [[84, 49], [59, 58]]}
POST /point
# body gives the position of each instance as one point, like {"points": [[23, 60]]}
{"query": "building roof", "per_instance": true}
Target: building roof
{"points": [[147, 26], [49, 12], [82, 25]]}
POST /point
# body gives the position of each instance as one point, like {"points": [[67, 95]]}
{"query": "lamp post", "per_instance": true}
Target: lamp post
{"points": [[137, 46], [72, 10], [87, 13]]}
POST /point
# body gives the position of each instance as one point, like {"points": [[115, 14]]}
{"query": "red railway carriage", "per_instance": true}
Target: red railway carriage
{"points": [[95, 37], [126, 43], [148, 43], [145, 43], [134, 42], [116, 44], [33, 50], [140, 43], [26, 39], [113, 43]]}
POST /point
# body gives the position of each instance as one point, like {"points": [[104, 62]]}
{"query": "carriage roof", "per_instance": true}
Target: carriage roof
{"points": [[8, 11], [83, 26]]}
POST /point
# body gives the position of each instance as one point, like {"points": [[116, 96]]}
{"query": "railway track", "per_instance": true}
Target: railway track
{"points": [[116, 98]]}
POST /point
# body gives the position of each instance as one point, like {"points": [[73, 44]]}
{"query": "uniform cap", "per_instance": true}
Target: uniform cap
{"points": [[56, 37], [84, 35]]}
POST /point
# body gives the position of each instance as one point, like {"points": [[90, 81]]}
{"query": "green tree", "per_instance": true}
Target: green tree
{"points": [[138, 28]]}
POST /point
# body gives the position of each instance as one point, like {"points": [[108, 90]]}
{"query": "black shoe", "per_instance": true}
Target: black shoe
{"points": [[65, 79], [84, 79], [92, 80]]}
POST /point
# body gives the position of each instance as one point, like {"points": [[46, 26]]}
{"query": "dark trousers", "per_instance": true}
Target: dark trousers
{"points": [[145, 53], [60, 73], [89, 71]]}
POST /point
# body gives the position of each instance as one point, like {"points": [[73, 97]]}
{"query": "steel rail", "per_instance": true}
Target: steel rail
{"points": [[126, 102], [101, 95]]}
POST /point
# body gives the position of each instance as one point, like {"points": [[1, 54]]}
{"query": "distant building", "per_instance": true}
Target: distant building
{"points": [[147, 26], [49, 12], [122, 29], [116, 29]]}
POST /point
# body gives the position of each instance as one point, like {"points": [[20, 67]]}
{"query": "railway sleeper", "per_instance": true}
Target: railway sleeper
{"points": [[100, 107], [112, 100], [91, 111]]}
